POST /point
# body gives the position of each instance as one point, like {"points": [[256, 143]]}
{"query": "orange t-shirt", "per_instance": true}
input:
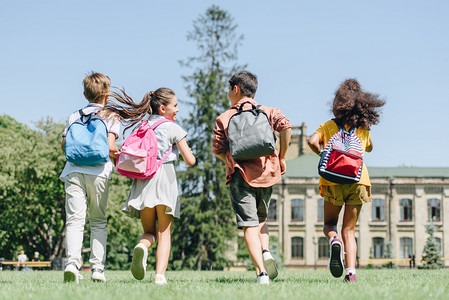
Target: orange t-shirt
{"points": [[259, 172], [328, 129]]}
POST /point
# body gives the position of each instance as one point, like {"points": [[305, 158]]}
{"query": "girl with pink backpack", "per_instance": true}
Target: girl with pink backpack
{"points": [[154, 193]]}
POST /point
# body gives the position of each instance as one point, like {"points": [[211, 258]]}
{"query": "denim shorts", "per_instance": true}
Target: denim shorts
{"points": [[352, 194], [250, 204]]}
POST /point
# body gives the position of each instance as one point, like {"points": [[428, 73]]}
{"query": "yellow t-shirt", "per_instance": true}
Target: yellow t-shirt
{"points": [[327, 130]]}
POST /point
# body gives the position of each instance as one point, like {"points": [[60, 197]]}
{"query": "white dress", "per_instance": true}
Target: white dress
{"points": [[162, 189]]}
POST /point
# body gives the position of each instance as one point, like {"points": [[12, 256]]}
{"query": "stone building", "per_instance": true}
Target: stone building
{"points": [[405, 200]]}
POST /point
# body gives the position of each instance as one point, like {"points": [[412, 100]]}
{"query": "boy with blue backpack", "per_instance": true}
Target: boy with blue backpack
{"points": [[89, 144]]}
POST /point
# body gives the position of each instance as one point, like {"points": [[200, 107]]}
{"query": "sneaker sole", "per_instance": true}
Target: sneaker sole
{"points": [[70, 277], [270, 266], [98, 280], [336, 264], [137, 267]]}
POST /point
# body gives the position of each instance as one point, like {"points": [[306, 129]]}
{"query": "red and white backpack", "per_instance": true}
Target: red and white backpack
{"points": [[138, 154], [342, 158]]}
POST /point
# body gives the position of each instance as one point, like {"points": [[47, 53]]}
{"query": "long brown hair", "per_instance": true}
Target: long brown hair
{"points": [[355, 107], [132, 113]]}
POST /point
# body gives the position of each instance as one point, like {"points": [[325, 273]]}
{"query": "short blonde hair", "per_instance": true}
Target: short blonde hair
{"points": [[96, 86]]}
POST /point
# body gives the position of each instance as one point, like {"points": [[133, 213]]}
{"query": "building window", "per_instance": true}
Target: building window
{"points": [[297, 209], [378, 213], [433, 209], [323, 247], [320, 209], [406, 247], [272, 213], [406, 209], [297, 247], [378, 247]]}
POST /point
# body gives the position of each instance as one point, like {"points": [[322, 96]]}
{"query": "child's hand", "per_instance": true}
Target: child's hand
{"points": [[283, 165]]}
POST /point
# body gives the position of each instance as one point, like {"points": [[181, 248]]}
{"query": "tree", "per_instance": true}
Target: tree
{"points": [[431, 253], [31, 194], [206, 230]]}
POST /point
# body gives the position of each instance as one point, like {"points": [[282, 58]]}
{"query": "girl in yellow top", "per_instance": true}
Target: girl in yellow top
{"points": [[355, 108]]}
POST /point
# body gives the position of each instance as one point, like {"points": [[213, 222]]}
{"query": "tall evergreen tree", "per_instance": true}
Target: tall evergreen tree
{"points": [[206, 230], [432, 252]]}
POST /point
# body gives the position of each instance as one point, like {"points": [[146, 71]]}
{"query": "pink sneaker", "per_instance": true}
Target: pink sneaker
{"points": [[350, 278], [336, 258]]}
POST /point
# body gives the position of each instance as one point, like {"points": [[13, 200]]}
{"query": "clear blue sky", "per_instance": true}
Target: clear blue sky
{"points": [[300, 50]]}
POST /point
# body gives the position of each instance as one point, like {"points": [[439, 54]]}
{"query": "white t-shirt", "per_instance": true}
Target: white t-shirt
{"points": [[168, 134], [112, 125], [23, 258]]}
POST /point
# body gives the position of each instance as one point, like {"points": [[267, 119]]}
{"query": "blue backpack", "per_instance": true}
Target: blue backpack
{"points": [[86, 141]]}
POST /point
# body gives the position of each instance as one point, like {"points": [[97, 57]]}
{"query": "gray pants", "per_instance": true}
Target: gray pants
{"points": [[250, 203], [86, 195]]}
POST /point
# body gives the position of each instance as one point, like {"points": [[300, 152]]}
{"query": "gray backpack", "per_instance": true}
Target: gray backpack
{"points": [[250, 134]]}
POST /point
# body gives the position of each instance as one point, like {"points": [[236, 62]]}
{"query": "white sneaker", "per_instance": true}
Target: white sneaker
{"points": [[263, 278], [98, 275], [139, 262], [159, 279], [270, 265], [71, 274]]}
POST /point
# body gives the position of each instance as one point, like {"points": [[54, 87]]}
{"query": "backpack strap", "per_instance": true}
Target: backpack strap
{"points": [[243, 104], [152, 127], [156, 124]]}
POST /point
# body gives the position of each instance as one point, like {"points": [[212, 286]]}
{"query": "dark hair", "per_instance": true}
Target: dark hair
{"points": [[133, 113], [246, 81], [355, 107]]}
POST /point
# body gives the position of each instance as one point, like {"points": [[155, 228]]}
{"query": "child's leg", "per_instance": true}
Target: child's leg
{"points": [[97, 194], [264, 236], [164, 224], [148, 220], [331, 213], [252, 241], [348, 233], [75, 207]]}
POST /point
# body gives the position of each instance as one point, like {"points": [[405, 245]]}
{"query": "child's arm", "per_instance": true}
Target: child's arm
{"points": [[63, 144], [314, 143], [113, 151], [285, 136], [370, 146], [186, 152]]}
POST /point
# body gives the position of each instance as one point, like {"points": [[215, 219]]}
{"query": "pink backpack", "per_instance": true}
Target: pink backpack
{"points": [[138, 154]]}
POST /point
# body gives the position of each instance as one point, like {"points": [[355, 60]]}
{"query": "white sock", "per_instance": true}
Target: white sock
{"points": [[159, 275], [350, 271], [141, 244], [332, 239]]}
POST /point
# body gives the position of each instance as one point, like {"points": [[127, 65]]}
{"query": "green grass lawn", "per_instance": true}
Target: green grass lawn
{"points": [[302, 284]]}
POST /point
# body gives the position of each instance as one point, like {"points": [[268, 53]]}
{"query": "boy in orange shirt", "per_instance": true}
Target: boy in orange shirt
{"points": [[251, 181]]}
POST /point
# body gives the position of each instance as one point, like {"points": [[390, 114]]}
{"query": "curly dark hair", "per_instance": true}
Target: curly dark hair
{"points": [[355, 107]]}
